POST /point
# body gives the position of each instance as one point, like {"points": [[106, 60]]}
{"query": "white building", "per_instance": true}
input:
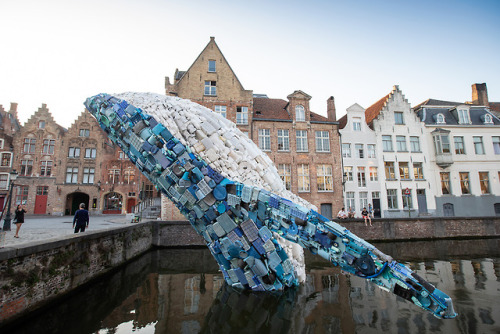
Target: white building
{"points": [[463, 141], [359, 159], [402, 157]]}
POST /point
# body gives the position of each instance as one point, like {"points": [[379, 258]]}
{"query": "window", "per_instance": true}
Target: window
{"points": [[387, 143], [4, 181], [398, 117], [42, 190], [349, 200], [496, 144], [46, 168], [375, 194], [6, 157], [303, 174], [129, 175], [414, 144], [48, 146], [363, 200], [390, 173], [22, 195], [90, 153], [210, 88], [346, 150], [265, 139], [211, 66], [371, 151], [463, 116], [356, 124], [441, 143], [407, 201], [404, 171], [324, 177], [114, 175], [348, 173], [484, 181], [74, 152], [459, 145], [241, 115], [29, 145], [464, 182], [71, 174], [392, 199], [440, 119], [221, 110], [373, 174], [488, 119], [359, 151], [478, 144], [1, 143], [84, 132], [322, 141], [445, 183], [300, 113], [401, 143], [361, 177], [302, 141], [285, 171], [122, 155], [41, 124], [283, 140], [26, 167], [88, 175], [418, 171]]}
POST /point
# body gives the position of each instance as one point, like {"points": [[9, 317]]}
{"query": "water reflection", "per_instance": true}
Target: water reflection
{"points": [[181, 291]]}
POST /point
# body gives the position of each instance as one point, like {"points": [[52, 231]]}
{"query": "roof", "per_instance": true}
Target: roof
{"points": [[275, 109], [342, 121], [434, 102], [265, 108], [374, 110], [429, 115], [495, 108]]}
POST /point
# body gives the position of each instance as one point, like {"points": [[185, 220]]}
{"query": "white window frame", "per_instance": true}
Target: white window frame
{"points": [[401, 144], [300, 113], [71, 175], [478, 145], [210, 88], [88, 175], [304, 184], [242, 115], [285, 172], [371, 151], [387, 143], [322, 141], [415, 144], [283, 140], [265, 139], [221, 110], [346, 150], [324, 178], [463, 116], [301, 136]]}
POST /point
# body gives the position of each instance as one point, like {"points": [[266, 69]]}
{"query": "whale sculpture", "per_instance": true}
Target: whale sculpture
{"points": [[182, 148]]}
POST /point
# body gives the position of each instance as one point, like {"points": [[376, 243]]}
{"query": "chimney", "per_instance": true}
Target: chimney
{"points": [[480, 94], [330, 109]]}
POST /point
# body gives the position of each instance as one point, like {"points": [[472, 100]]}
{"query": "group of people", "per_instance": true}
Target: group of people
{"points": [[367, 214], [80, 221]]}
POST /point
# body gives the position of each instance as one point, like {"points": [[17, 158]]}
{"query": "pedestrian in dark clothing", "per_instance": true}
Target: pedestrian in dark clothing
{"points": [[81, 219], [19, 218]]}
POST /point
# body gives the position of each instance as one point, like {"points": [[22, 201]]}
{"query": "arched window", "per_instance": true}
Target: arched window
{"points": [[300, 113], [440, 119], [488, 119]]}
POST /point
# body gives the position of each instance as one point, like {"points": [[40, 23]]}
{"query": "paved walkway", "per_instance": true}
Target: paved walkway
{"points": [[36, 228]]}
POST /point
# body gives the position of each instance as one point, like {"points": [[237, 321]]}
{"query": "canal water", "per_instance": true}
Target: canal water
{"points": [[181, 291]]}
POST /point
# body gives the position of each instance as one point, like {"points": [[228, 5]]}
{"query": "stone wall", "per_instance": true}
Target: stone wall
{"points": [[34, 274]]}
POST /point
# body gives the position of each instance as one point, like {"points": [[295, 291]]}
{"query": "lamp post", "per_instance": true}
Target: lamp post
{"points": [[6, 222]]}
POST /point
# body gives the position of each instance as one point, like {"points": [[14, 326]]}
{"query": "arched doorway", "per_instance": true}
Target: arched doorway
{"points": [[448, 210], [74, 200], [113, 202]]}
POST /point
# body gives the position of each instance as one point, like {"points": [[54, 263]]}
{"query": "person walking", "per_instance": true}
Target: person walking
{"points": [[81, 219], [19, 218]]}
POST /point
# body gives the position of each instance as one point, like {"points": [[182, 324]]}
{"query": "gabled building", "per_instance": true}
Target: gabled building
{"points": [[401, 152], [304, 145], [463, 142], [362, 182], [9, 126]]}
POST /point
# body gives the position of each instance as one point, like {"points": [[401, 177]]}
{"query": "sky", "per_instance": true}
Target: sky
{"points": [[61, 52]]}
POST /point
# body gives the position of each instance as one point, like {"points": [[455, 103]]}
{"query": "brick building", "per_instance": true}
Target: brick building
{"points": [[304, 145]]}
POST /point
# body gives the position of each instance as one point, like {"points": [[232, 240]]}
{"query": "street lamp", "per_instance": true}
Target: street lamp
{"points": [[6, 222]]}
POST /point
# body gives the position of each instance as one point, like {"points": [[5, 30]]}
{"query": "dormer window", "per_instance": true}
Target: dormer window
{"points": [[463, 116], [211, 66], [300, 113], [488, 119], [440, 119]]}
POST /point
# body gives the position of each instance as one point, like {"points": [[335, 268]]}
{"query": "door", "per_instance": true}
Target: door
{"points": [[376, 208], [326, 210], [421, 201], [448, 210], [130, 204], [41, 200]]}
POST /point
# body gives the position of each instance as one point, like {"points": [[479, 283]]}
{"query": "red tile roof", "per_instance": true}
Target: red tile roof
{"points": [[495, 108], [264, 108], [342, 121], [374, 110]]}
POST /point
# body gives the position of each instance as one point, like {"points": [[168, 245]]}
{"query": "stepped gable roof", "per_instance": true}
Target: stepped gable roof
{"points": [[265, 108], [342, 121], [373, 111]]}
